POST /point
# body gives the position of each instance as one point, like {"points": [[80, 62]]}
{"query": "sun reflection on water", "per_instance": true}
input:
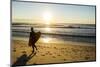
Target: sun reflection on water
{"points": [[46, 40], [47, 29]]}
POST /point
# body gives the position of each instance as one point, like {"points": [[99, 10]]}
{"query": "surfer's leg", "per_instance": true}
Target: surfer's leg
{"points": [[33, 49]]}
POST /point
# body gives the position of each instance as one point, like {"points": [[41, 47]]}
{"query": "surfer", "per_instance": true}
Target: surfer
{"points": [[33, 39]]}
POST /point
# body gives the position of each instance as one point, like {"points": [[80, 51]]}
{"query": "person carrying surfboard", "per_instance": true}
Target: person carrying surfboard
{"points": [[33, 38]]}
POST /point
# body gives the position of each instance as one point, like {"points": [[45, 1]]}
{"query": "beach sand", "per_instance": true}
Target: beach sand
{"points": [[48, 53]]}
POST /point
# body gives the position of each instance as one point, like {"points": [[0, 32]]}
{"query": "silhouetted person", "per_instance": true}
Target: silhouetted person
{"points": [[33, 39], [22, 60]]}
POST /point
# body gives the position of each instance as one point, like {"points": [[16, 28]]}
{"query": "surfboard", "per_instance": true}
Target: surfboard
{"points": [[37, 36], [34, 38]]}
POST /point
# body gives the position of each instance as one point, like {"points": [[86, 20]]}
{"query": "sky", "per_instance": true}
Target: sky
{"points": [[32, 12]]}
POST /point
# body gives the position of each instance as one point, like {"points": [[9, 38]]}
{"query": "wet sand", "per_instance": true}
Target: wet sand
{"points": [[48, 53]]}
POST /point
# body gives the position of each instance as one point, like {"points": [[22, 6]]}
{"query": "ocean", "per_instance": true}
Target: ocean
{"points": [[63, 32]]}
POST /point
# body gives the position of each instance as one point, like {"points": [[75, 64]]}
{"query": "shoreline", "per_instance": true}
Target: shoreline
{"points": [[57, 42]]}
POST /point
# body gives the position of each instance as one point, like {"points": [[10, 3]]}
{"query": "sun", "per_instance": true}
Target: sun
{"points": [[47, 17]]}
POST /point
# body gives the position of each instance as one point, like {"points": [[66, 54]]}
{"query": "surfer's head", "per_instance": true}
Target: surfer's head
{"points": [[32, 29]]}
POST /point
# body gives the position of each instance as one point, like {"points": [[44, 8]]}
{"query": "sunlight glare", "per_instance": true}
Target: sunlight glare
{"points": [[47, 29], [47, 17], [46, 40]]}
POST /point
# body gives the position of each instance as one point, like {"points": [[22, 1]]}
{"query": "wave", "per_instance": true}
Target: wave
{"points": [[61, 37], [62, 25], [82, 30], [26, 33]]}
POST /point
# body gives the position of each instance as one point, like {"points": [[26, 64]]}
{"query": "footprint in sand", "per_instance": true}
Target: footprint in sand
{"points": [[64, 59], [42, 55], [58, 55], [53, 56], [21, 46], [46, 53], [34, 64], [50, 53], [87, 58], [55, 47], [48, 47], [14, 50], [23, 51], [62, 51], [38, 51]]}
